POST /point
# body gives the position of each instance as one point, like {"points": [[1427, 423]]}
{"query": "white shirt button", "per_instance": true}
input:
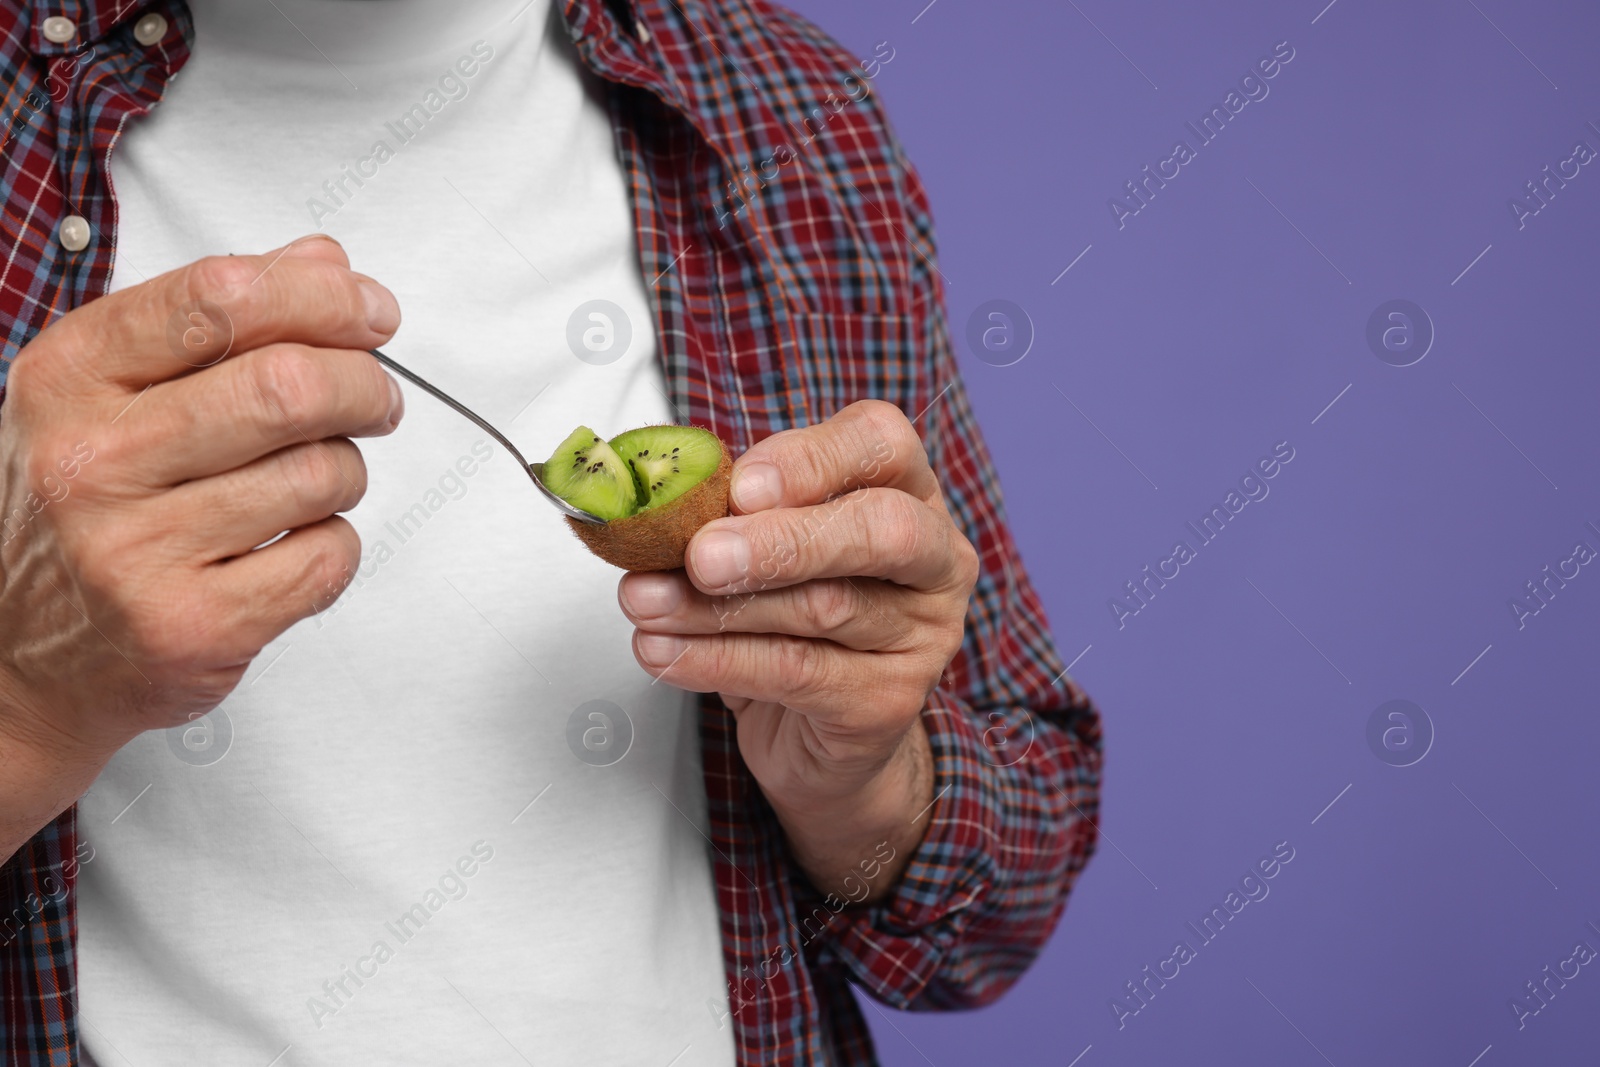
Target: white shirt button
{"points": [[150, 29], [74, 233], [59, 30]]}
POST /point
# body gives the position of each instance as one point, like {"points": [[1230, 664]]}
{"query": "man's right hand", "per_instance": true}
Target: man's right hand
{"points": [[133, 593]]}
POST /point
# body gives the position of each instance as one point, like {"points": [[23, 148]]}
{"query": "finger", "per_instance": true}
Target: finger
{"points": [[869, 443], [264, 592], [857, 614], [200, 314], [878, 533], [273, 397], [228, 514], [817, 678]]}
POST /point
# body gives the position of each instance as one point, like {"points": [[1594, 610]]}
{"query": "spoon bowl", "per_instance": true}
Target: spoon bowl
{"points": [[536, 472]]}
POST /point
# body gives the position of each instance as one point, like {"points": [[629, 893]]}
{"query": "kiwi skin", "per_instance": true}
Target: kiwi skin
{"points": [[657, 538]]}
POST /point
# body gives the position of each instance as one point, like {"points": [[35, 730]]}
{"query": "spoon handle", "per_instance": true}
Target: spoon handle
{"points": [[420, 383], [534, 471]]}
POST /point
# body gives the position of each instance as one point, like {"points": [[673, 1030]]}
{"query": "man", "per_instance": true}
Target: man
{"points": [[436, 816]]}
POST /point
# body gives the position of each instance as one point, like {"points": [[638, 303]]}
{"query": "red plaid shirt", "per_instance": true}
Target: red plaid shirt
{"points": [[793, 257]]}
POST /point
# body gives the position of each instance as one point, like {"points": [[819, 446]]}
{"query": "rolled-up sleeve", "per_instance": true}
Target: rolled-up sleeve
{"points": [[1016, 744]]}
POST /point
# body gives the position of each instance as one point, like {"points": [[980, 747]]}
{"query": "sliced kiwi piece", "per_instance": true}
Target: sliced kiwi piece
{"points": [[677, 482], [667, 461], [587, 473]]}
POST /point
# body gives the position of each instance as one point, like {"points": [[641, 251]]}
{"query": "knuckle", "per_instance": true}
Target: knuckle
{"points": [[830, 606], [120, 456], [176, 422], [353, 466], [38, 465], [718, 659], [884, 422], [100, 469], [795, 533], [350, 309], [310, 478], [331, 564], [912, 690], [968, 566], [328, 564], [20, 378], [803, 668], [726, 609], [293, 382], [97, 566], [879, 414], [173, 629], [894, 530], [947, 641], [219, 276], [774, 548]]}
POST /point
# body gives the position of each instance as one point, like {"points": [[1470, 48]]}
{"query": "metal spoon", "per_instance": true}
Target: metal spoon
{"points": [[535, 470]]}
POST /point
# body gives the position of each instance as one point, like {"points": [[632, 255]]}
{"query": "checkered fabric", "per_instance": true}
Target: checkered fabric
{"points": [[790, 250]]}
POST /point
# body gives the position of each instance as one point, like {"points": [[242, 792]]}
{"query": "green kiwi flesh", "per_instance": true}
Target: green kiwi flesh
{"points": [[587, 473], [667, 461]]}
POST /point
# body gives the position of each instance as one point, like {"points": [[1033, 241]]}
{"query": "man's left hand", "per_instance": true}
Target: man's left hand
{"points": [[824, 611]]}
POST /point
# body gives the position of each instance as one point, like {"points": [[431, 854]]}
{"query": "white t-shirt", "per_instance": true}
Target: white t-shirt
{"points": [[450, 820]]}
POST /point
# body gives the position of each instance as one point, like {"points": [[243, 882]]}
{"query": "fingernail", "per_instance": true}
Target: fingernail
{"points": [[650, 596], [757, 487], [383, 311], [305, 247], [397, 402], [721, 558], [660, 650]]}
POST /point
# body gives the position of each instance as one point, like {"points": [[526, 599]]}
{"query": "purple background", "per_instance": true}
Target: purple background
{"points": [[1195, 338]]}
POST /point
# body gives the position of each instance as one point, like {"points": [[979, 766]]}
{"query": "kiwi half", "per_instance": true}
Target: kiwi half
{"points": [[654, 486], [587, 473]]}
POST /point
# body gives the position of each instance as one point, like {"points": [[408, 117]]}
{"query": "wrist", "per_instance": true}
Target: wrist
{"points": [[865, 799], [836, 836], [43, 769], [32, 722]]}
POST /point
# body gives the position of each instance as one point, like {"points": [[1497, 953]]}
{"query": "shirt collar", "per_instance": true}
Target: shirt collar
{"points": [[606, 33], [611, 35]]}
